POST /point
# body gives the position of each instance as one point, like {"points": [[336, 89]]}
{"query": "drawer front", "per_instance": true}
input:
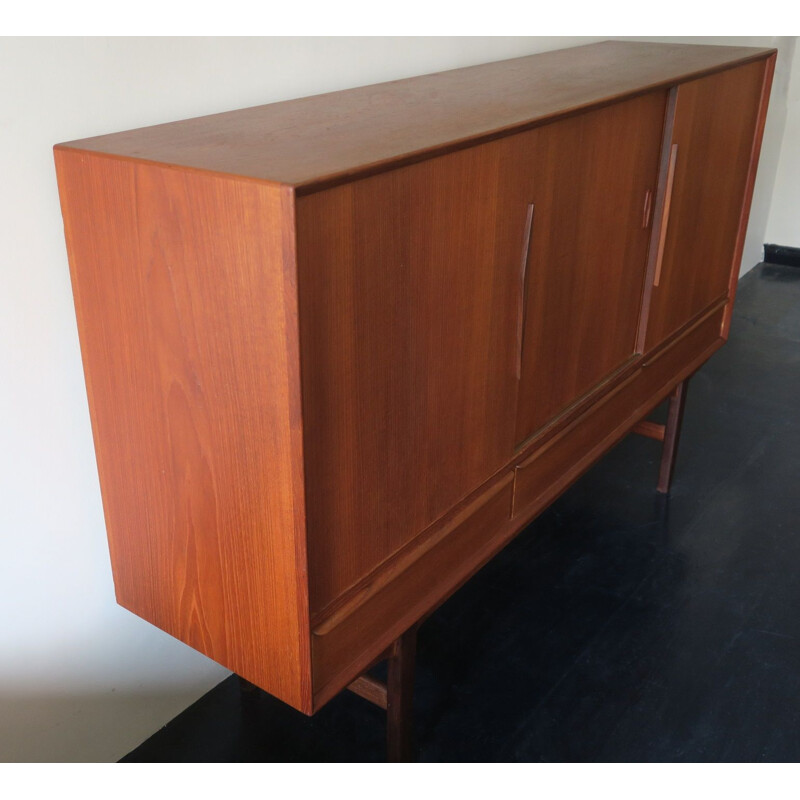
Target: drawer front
{"points": [[565, 457], [357, 633]]}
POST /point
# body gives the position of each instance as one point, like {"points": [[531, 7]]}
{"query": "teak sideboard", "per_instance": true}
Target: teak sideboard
{"points": [[340, 350]]}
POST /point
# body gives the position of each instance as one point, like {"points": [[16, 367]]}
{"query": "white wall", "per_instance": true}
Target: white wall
{"points": [[776, 142], [784, 215], [81, 679]]}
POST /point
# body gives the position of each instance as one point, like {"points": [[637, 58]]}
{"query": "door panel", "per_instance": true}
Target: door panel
{"points": [[408, 297], [587, 178], [711, 142]]}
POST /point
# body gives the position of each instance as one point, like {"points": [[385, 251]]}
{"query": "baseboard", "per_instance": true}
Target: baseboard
{"points": [[779, 254]]}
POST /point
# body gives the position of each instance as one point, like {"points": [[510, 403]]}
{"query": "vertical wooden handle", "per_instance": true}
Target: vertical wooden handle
{"points": [[662, 233], [523, 284], [648, 208]]}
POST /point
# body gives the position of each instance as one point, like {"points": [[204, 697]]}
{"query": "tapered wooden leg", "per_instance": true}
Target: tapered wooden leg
{"points": [[672, 433], [400, 698], [396, 695]]}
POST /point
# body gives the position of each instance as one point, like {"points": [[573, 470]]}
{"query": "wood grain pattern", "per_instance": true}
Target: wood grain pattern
{"points": [[370, 689], [715, 125], [553, 468], [664, 222], [672, 435], [655, 253], [652, 430], [185, 315], [400, 699], [408, 287], [326, 390], [585, 246], [522, 290], [347, 642], [314, 141]]}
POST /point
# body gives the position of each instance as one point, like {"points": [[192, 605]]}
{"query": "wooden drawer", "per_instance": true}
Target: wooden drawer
{"points": [[345, 643], [563, 459]]}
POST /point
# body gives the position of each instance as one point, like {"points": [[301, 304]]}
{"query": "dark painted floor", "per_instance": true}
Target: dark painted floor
{"points": [[617, 627]]}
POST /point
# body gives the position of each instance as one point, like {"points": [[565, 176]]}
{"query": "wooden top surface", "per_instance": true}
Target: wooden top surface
{"points": [[324, 139]]}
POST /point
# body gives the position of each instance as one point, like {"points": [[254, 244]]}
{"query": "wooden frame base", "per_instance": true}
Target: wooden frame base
{"points": [[669, 434], [396, 696]]}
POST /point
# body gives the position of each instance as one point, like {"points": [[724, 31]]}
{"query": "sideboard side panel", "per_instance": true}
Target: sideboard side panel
{"points": [[184, 293]]}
